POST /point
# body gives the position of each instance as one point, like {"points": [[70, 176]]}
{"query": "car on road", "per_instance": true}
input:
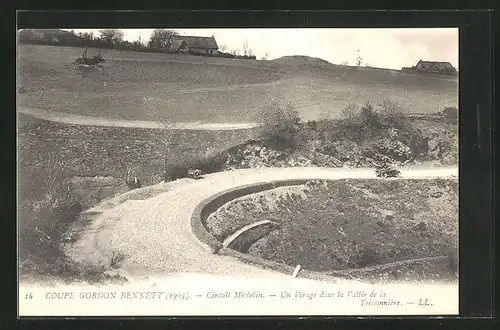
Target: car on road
{"points": [[195, 174]]}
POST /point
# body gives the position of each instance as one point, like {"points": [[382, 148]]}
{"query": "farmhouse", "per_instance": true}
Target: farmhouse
{"points": [[197, 45], [432, 67]]}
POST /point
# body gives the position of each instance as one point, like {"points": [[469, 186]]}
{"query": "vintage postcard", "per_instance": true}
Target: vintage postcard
{"points": [[218, 172]]}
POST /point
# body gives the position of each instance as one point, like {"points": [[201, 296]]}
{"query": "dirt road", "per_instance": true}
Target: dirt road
{"points": [[155, 237], [101, 121]]}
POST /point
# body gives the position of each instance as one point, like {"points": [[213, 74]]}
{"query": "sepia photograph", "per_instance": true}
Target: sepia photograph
{"points": [[238, 171]]}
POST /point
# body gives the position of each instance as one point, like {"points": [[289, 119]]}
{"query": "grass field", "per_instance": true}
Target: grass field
{"points": [[191, 88]]}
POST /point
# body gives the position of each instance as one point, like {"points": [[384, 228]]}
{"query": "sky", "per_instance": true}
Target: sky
{"points": [[382, 47]]}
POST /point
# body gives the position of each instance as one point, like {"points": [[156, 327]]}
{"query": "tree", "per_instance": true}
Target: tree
{"points": [[223, 48], [246, 49], [111, 36], [235, 52], [85, 38], [137, 45], [345, 63], [265, 57], [161, 39], [166, 126]]}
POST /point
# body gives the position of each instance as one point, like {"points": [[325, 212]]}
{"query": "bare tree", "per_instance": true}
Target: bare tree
{"points": [[247, 51], [235, 51], [162, 39], [166, 126], [223, 48], [345, 63], [265, 57], [246, 48], [359, 61]]}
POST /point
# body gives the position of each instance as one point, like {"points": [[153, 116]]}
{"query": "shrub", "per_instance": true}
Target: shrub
{"points": [[94, 60], [350, 112], [360, 124], [116, 259], [392, 115], [280, 126], [391, 108], [370, 118]]}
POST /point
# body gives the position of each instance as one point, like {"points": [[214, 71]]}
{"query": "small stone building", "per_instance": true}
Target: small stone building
{"points": [[196, 45], [444, 68]]}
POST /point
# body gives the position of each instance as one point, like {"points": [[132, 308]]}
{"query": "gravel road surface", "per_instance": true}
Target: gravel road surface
{"points": [[72, 119], [154, 235]]}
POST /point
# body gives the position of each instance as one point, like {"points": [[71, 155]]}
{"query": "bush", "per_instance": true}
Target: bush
{"points": [[370, 118], [94, 60], [367, 122], [280, 126], [392, 115], [350, 112], [359, 124]]}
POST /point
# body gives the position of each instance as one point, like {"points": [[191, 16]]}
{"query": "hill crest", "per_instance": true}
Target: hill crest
{"points": [[301, 60]]}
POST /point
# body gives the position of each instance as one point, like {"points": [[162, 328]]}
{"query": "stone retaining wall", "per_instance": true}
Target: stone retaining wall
{"points": [[214, 202]]}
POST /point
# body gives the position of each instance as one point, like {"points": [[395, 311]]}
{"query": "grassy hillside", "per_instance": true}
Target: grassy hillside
{"points": [[191, 88]]}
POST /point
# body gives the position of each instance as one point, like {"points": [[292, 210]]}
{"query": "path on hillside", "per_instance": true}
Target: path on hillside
{"points": [[68, 118], [197, 60], [227, 88], [155, 234]]}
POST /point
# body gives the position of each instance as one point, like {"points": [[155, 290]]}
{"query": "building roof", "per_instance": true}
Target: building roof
{"points": [[194, 42], [426, 65]]}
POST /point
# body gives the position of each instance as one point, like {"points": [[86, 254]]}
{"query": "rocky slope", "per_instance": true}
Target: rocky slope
{"points": [[436, 144]]}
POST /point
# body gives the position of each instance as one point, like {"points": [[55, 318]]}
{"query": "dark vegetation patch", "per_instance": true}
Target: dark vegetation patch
{"points": [[90, 60], [42, 225], [346, 224]]}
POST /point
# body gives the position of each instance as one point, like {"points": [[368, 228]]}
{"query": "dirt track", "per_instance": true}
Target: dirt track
{"points": [[155, 234], [100, 121]]}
